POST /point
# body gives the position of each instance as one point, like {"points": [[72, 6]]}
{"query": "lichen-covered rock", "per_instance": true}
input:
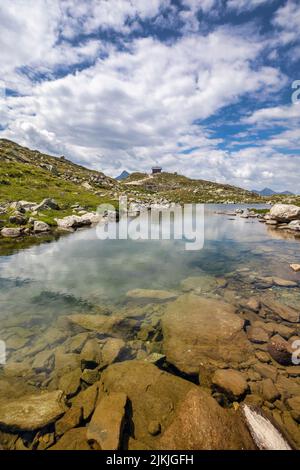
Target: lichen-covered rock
{"points": [[285, 212]]}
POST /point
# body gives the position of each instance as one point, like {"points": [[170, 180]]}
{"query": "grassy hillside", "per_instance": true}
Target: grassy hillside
{"points": [[32, 176]]}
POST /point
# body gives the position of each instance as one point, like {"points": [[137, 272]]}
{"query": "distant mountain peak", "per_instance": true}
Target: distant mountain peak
{"points": [[123, 175], [270, 192]]}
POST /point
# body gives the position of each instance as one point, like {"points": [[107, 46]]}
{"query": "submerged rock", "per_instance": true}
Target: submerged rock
{"points": [[269, 391], [75, 439], [112, 349], [201, 424], [70, 382], [103, 324], [32, 412], [231, 382], [86, 400], [70, 420], [257, 335], [283, 311], [159, 396], [90, 355], [294, 405], [199, 284], [198, 331], [151, 294], [107, 422]]}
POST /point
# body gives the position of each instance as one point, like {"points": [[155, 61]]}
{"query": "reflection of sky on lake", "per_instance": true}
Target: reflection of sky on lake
{"points": [[79, 270]]}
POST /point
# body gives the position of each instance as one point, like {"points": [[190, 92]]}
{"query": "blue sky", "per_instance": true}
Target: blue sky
{"points": [[202, 87]]}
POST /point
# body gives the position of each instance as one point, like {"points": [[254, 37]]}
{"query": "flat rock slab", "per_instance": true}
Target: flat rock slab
{"points": [[151, 295], [283, 311], [198, 331], [199, 284], [153, 394], [101, 323], [231, 382], [32, 412], [107, 422]]}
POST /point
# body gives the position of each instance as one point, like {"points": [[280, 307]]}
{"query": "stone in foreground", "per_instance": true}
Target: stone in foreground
{"points": [[199, 331], [107, 422], [32, 412], [158, 396], [201, 424]]}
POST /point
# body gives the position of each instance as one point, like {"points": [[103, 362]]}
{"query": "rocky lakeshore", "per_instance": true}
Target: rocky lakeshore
{"points": [[179, 369]]}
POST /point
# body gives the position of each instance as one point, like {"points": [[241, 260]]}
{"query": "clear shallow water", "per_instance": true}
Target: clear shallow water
{"points": [[79, 272]]}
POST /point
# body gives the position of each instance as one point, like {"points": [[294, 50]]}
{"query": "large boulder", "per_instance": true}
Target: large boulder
{"points": [[158, 397], [32, 412], [285, 212], [201, 424], [198, 331]]}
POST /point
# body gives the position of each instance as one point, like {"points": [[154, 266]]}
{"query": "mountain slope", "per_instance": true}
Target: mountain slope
{"points": [[178, 188], [270, 192], [10, 152]]}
